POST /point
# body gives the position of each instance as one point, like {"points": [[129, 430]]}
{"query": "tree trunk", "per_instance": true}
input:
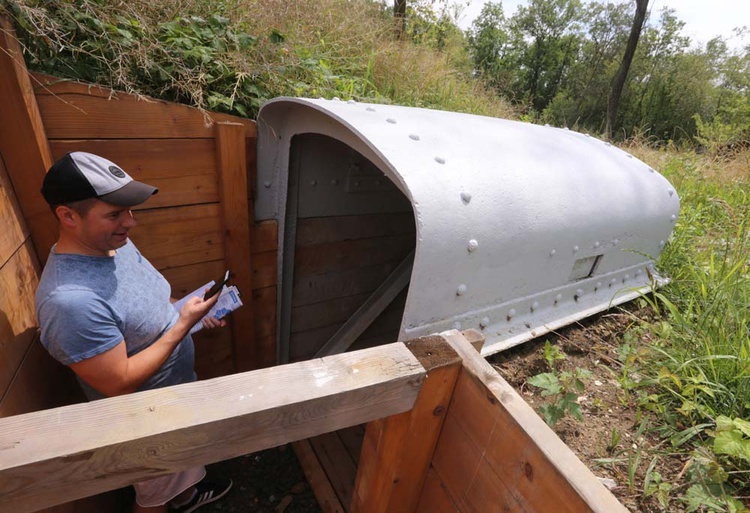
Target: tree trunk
{"points": [[399, 15], [619, 81]]}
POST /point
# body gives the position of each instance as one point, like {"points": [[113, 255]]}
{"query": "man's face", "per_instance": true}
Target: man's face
{"points": [[105, 227]]}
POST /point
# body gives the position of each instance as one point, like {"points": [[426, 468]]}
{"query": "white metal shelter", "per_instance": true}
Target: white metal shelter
{"points": [[520, 228]]}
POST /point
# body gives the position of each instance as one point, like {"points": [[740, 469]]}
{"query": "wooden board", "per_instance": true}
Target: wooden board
{"points": [[353, 254], [158, 432], [18, 281], [23, 141], [85, 116], [435, 497], [315, 288], [264, 236], [173, 237], [184, 170], [323, 230], [340, 468], [264, 267], [316, 476], [13, 231], [525, 454]]}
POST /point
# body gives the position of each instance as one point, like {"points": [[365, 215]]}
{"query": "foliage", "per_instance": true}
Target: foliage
{"points": [[563, 385]]}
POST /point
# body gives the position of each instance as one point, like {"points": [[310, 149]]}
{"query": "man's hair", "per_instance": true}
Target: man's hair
{"points": [[81, 207]]}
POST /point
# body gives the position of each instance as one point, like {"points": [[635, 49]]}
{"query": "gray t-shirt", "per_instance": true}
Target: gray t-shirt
{"points": [[87, 305]]}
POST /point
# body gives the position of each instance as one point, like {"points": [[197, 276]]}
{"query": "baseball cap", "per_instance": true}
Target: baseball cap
{"points": [[79, 175]]}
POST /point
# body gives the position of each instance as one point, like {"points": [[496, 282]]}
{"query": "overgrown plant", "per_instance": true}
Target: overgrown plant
{"points": [[562, 386]]}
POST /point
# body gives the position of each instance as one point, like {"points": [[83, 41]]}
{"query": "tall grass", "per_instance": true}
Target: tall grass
{"points": [[232, 55]]}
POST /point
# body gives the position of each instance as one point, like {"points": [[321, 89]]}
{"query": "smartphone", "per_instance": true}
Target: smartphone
{"points": [[217, 286]]}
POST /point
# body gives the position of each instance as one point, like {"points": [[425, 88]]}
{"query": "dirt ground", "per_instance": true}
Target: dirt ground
{"points": [[613, 441]]}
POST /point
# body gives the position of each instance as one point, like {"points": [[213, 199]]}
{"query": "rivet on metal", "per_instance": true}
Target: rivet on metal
{"points": [[566, 128], [461, 290], [472, 246], [465, 197], [575, 249], [527, 324], [597, 244], [313, 183], [616, 242], [456, 325], [370, 109], [414, 137], [511, 313], [629, 155], [579, 292], [638, 272], [546, 124], [552, 252], [267, 185], [612, 282], [625, 278], [671, 192], [351, 102], [607, 144], [662, 243], [673, 218], [587, 135], [652, 170], [391, 121], [336, 99], [598, 285], [558, 298], [356, 184], [440, 160], [484, 322], [534, 305]]}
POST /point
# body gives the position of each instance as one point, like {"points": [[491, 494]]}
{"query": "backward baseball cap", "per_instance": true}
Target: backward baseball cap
{"points": [[79, 175]]}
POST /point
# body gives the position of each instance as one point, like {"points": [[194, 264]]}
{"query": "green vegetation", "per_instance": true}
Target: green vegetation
{"points": [[686, 367]]}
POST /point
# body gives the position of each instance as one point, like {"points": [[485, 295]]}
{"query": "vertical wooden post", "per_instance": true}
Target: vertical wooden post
{"points": [[23, 141], [232, 168], [397, 450]]}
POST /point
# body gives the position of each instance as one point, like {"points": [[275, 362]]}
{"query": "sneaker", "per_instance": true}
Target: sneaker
{"points": [[206, 492]]}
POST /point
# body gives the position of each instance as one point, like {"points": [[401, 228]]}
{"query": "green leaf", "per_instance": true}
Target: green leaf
{"points": [[546, 381], [276, 37], [698, 496], [732, 443]]}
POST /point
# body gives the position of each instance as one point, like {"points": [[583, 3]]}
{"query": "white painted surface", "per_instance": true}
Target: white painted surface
{"points": [[505, 211]]}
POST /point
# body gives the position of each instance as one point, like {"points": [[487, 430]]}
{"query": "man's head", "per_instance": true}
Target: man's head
{"points": [[82, 176], [91, 198]]}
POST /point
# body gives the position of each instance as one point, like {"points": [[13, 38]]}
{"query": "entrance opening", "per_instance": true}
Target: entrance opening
{"points": [[348, 246]]}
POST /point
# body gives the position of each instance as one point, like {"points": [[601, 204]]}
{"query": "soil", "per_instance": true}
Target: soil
{"points": [[615, 440]]}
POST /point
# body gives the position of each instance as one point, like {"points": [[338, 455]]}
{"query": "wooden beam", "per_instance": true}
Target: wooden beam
{"points": [[316, 476], [118, 441], [23, 141], [235, 212], [397, 450], [370, 310], [540, 471]]}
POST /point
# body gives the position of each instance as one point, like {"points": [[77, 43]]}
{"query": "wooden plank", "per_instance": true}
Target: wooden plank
{"points": [[264, 301], [370, 309], [393, 466], [75, 111], [264, 236], [352, 254], [264, 267], [49, 85], [435, 498], [13, 230], [213, 351], [475, 338], [522, 449], [19, 278], [235, 211], [39, 383], [316, 476], [326, 313], [322, 230], [184, 170], [315, 288], [337, 464], [267, 350], [173, 237], [117, 441], [23, 141], [352, 439]]}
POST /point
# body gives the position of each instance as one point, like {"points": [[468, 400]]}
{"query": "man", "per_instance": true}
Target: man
{"points": [[106, 312]]}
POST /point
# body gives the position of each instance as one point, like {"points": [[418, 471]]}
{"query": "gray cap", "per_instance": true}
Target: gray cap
{"points": [[79, 176]]}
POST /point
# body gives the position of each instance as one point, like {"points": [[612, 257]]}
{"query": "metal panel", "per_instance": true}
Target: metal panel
{"points": [[520, 228]]}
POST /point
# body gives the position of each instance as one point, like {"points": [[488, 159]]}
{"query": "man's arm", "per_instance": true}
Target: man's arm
{"points": [[113, 373]]}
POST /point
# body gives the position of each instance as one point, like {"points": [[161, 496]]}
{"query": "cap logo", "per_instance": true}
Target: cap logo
{"points": [[119, 173]]}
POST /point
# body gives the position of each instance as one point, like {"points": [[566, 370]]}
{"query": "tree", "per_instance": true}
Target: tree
{"points": [[622, 73], [399, 14]]}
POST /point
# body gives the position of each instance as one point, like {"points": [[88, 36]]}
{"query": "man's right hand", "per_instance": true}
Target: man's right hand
{"points": [[194, 310]]}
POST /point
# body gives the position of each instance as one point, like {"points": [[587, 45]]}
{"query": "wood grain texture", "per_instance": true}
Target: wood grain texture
{"points": [[435, 497], [323, 230], [316, 288], [397, 450], [340, 468], [316, 476], [158, 432], [13, 230], [339, 256], [19, 278], [235, 211], [184, 170], [23, 141], [537, 467]]}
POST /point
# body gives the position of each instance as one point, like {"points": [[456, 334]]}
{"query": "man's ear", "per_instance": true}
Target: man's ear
{"points": [[67, 216]]}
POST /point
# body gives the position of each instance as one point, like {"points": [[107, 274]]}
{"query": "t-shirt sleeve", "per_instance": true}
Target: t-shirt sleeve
{"points": [[77, 325]]}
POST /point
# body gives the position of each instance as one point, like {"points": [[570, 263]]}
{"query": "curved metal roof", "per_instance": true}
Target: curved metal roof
{"points": [[521, 228]]}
